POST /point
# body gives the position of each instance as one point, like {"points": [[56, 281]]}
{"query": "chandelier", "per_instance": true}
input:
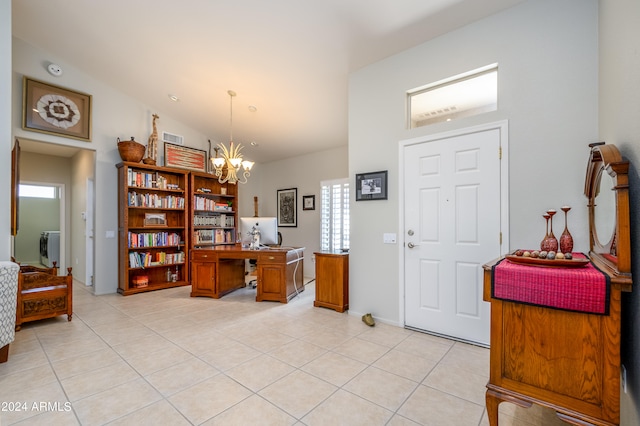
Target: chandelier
{"points": [[227, 166]]}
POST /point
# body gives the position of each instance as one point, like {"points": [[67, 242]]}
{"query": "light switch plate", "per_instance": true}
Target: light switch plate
{"points": [[389, 238]]}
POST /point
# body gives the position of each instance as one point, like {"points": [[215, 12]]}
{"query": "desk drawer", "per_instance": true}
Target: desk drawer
{"points": [[264, 258], [203, 256]]}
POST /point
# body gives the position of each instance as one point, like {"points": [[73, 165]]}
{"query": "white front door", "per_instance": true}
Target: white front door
{"points": [[452, 222]]}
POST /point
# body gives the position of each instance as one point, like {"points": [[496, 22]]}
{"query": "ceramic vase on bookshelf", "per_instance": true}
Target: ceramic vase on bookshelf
{"points": [[566, 240]]}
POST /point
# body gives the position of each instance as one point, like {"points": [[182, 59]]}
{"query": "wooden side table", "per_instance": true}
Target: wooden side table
{"points": [[332, 280]]}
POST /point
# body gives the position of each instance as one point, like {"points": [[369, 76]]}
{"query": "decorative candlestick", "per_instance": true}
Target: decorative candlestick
{"points": [[566, 240], [543, 243], [552, 241]]}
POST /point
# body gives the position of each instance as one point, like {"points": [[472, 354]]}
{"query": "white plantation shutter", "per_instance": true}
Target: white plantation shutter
{"points": [[334, 215]]}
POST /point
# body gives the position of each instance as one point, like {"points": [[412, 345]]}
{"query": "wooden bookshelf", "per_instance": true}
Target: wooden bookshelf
{"points": [[213, 214], [153, 228]]}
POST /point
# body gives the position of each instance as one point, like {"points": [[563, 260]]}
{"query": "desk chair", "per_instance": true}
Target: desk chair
{"points": [[254, 283]]}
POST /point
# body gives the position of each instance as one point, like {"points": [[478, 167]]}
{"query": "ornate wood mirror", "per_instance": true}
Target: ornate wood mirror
{"points": [[607, 189]]}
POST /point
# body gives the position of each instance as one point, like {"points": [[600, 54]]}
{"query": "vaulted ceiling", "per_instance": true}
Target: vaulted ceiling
{"points": [[290, 59]]}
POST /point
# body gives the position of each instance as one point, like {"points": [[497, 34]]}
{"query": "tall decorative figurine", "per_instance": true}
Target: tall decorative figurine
{"points": [[544, 243], [152, 145], [552, 242], [566, 240]]}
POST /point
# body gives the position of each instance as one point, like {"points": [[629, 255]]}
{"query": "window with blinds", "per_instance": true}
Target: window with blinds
{"points": [[334, 199]]}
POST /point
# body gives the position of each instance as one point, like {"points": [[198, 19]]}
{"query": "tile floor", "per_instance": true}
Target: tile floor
{"points": [[164, 358]]}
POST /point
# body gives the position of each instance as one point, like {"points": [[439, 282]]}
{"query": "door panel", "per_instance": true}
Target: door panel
{"points": [[452, 206]]}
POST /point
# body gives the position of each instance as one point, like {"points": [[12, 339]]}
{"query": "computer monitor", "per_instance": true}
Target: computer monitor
{"points": [[268, 227]]}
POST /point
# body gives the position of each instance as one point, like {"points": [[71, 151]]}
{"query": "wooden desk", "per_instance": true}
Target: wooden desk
{"points": [[220, 270], [566, 361]]}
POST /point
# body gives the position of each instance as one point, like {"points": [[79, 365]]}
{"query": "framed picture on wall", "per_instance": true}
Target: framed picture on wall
{"points": [[371, 186], [308, 202], [287, 207], [55, 110]]}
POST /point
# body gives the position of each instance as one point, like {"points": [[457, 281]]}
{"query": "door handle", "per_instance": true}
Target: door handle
{"points": [[411, 245]]}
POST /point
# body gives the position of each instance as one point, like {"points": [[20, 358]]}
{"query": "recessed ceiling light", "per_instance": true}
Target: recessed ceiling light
{"points": [[254, 143], [174, 98], [253, 108]]}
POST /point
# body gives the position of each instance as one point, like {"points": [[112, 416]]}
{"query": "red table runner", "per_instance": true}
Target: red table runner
{"points": [[584, 289]]}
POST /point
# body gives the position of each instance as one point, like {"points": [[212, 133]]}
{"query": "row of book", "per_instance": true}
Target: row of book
{"points": [[202, 203], [148, 180], [146, 259], [217, 220], [155, 201], [153, 239], [213, 236]]}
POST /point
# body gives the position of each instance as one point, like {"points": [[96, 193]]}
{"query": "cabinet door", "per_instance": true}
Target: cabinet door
{"points": [[203, 278], [271, 283]]}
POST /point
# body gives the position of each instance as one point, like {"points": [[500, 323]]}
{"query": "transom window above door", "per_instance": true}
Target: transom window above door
{"points": [[472, 93]]}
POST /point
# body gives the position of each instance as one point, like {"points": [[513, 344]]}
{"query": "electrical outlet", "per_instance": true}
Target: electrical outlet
{"points": [[623, 377]]}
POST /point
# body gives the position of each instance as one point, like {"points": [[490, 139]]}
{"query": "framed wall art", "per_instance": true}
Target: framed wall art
{"points": [[181, 157], [55, 110], [371, 186], [288, 207], [308, 202]]}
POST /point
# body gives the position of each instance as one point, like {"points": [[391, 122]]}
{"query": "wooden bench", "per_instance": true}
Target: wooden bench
{"points": [[42, 293]]}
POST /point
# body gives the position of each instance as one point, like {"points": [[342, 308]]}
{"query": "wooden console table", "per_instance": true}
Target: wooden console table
{"points": [[220, 270], [566, 360]]}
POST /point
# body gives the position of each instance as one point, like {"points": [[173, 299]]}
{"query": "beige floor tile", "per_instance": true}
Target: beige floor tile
{"points": [[23, 361], [362, 350], [297, 353], [259, 372], [85, 363], [431, 407], [181, 376], [426, 346], [404, 364], [209, 398], [116, 402], [327, 338], [143, 346], [386, 335], [230, 356], [458, 382], [17, 382], [398, 420], [51, 418], [159, 413], [21, 346], [158, 360], [334, 368], [298, 393], [252, 411], [74, 348], [344, 408], [99, 380], [468, 357], [265, 341], [382, 388]]}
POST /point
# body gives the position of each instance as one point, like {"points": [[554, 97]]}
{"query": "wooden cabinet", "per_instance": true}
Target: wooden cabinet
{"points": [[568, 361], [152, 228], [332, 280], [213, 214]]}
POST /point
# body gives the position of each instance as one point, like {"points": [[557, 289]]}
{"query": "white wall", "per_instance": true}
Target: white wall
{"points": [[546, 52], [304, 173], [82, 169], [115, 115], [620, 124], [6, 141]]}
